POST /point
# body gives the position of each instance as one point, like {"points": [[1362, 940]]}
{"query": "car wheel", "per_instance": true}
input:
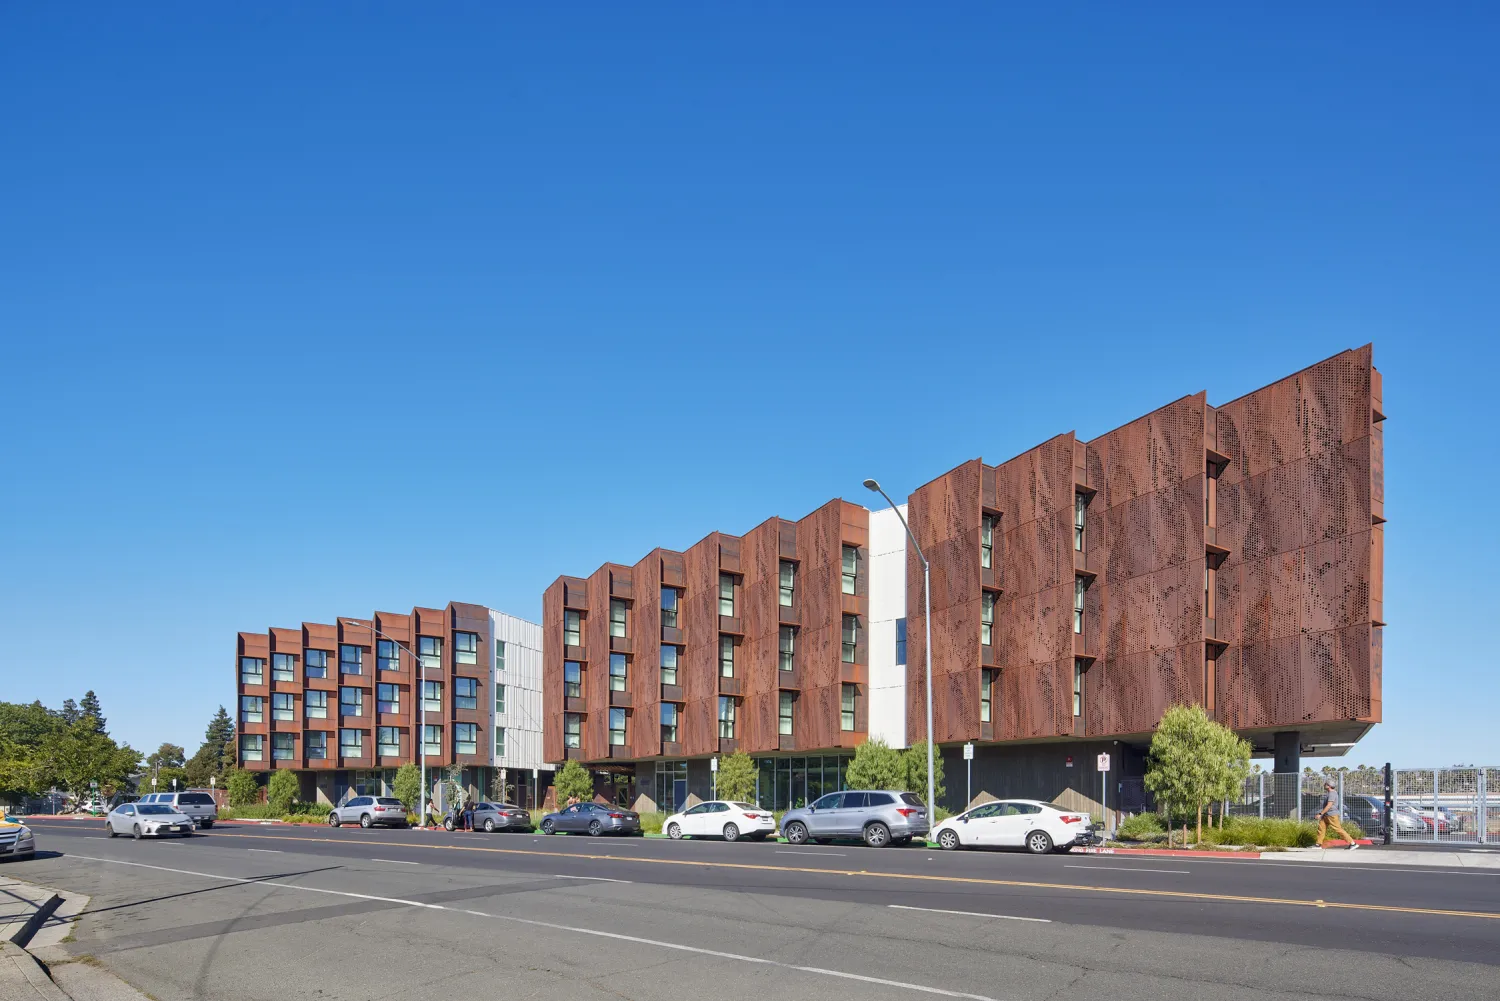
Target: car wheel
{"points": [[595, 828], [333, 818], [947, 839], [489, 826], [796, 833], [731, 832], [111, 829], [365, 821], [207, 824], [135, 832], [188, 833], [448, 825], [1038, 842], [674, 831], [547, 827], [877, 835]]}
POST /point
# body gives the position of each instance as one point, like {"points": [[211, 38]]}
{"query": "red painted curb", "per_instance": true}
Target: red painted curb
{"points": [[1169, 852]]}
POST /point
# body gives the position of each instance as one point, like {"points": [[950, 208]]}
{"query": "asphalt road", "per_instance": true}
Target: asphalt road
{"points": [[248, 911]]}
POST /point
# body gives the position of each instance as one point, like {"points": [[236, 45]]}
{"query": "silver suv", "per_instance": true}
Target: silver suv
{"points": [[368, 811], [199, 806], [878, 817]]}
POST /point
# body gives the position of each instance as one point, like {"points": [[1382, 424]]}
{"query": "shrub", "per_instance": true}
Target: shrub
{"points": [[651, 822], [407, 786], [914, 765], [573, 781], [1141, 827], [877, 766], [244, 790], [736, 777], [281, 790]]}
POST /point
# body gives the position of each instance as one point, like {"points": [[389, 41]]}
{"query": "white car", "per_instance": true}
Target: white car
{"points": [[140, 820], [721, 819], [16, 839], [1012, 823]]}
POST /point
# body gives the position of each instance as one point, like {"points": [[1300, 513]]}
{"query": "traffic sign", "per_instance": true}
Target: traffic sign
{"points": [[968, 752], [713, 764], [1104, 762]]}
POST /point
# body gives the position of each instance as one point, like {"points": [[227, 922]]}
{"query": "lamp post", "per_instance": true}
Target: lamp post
{"points": [[927, 623], [419, 747]]}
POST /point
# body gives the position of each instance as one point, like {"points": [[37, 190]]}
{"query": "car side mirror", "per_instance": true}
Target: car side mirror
{"points": [[812, 809]]}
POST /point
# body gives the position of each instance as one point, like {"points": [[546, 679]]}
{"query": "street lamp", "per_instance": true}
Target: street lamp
{"points": [[419, 744], [927, 622]]}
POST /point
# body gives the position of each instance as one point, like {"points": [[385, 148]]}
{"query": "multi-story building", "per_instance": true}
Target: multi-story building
{"points": [[346, 704], [1227, 556]]}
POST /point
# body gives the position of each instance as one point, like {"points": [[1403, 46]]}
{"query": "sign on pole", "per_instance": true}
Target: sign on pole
{"points": [[713, 764], [968, 752], [1104, 762]]}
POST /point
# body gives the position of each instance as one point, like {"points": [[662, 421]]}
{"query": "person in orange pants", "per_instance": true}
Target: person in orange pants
{"points": [[1328, 817]]}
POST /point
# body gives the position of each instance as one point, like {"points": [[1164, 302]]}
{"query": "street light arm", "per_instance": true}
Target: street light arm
{"points": [[915, 545]]}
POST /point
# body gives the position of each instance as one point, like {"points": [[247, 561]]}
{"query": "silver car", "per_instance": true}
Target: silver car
{"points": [[592, 818], [198, 805], [369, 811], [492, 817], [878, 817], [16, 839], [147, 820]]}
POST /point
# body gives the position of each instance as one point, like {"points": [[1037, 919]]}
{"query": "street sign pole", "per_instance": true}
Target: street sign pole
{"points": [[969, 764], [1104, 787], [713, 767]]}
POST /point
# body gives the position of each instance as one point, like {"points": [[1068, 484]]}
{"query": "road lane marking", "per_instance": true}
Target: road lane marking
{"points": [[970, 914], [1128, 868], [783, 851], [597, 879], [269, 851], [658, 943], [394, 861], [934, 878]]}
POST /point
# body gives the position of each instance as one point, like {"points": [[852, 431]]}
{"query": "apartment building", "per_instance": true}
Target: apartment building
{"points": [[345, 704], [1228, 556]]}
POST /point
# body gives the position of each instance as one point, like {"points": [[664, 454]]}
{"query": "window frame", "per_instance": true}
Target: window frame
{"points": [[430, 653], [468, 701], [357, 664], [381, 703], [283, 673], [986, 696], [290, 703], [572, 730], [459, 741], [669, 611], [308, 656], [429, 699], [901, 642], [1080, 520], [499, 655], [1080, 586], [256, 715], [619, 618], [252, 670], [987, 618], [358, 701], [432, 748], [669, 730], [726, 655], [255, 750], [619, 681], [288, 750], [358, 743], [726, 717], [572, 627], [499, 699], [848, 703], [1079, 667], [987, 526], [849, 569], [785, 711], [465, 648], [387, 661], [726, 601], [573, 689], [786, 648], [315, 707], [849, 639], [676, 663], [381, 744], [316, 747], [499, 741], [617, 736], [787, 583]]}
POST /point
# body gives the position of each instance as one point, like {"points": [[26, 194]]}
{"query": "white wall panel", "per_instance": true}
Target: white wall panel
{"points": [[887, 605]]}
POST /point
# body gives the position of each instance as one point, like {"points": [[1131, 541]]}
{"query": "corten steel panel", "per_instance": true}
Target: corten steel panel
{"points": [[552, 670], [595, 727], [698, 672], [643, 729], [760, 560], [821, 536]]}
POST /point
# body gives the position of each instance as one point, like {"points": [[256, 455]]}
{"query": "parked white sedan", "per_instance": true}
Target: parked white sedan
{"points": [[141, 820], [721, 819], [1012, 823]]}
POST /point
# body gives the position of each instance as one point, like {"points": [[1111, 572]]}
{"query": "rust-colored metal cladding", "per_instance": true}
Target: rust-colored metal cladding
{"points": [[698, 725], [644, 730], [760, 561], [554, 653]]}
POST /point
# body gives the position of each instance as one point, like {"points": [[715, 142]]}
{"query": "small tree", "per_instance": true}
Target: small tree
{"points": [[877, 766], [1194, 761], [244, 790], [914, 761], [282, 790], [573, 781], [736, 779], [408, 786]]}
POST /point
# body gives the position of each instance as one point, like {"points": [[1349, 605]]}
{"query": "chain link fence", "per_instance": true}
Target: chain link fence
{"points": [[1447, 805]]}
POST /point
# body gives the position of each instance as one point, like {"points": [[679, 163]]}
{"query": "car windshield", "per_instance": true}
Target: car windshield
{"points": [[911, 799], [744, 806], [155, 809], [196, 799], [386, 801]]}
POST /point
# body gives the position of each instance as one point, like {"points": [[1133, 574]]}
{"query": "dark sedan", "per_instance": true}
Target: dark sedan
{"points": [[592, 818], [491, 817]]}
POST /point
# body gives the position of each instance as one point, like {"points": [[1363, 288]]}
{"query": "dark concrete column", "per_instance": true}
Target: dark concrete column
{"points": [[1289, 751]]}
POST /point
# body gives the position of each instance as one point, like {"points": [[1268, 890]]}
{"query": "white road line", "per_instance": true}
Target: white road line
{"points": [[970, 914], [783, 851], [269, 851], [597, 879], [394, 861], [1128, 868], [675, 946]]}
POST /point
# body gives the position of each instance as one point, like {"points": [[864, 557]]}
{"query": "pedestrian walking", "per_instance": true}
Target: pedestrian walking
{"points": [[1328, 817]]}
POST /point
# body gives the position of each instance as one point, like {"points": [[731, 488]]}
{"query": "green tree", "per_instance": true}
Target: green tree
{"points": [[166, 776], [25, 729], [1194, 761], [165, 756], [243, 788], [90, 707], [216, 756], [81, 755], [914, 762], [736, 778], [876, 765], [408, 785], [573, 781], [282, 790]]}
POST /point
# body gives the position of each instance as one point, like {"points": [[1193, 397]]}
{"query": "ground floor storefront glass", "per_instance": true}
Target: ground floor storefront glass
{"points": [[671, 786], [787, 783]]}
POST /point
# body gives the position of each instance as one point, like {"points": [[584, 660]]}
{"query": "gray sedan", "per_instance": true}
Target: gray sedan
{"points": [[592, 818], [491, 817]]}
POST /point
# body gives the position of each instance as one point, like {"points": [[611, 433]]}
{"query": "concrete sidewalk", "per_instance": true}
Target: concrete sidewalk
{"points": [[34, 921], [1389, 856]]}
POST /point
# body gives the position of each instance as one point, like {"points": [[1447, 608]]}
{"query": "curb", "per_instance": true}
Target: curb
{"points": [[23, 935], [1168, 852]]}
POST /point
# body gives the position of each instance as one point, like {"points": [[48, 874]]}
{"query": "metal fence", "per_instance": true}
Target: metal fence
{"points": [[1447, 805]]}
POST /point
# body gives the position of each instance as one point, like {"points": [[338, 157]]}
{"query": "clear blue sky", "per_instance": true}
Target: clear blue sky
{"points": [[306, 313]]}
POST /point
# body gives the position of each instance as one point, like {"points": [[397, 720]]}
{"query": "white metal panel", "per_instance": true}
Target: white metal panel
{"points": [[887, 604], [522, 678]]}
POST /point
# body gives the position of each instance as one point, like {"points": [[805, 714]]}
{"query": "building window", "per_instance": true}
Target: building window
{"points": [[851, 569], [726, 717], [351, 701], [668, 723], [987, 541], [571, 730], [432, 696], [430, 652], [465, 738], [317, 745], [617, 727], [315, 705], [669, 599], [572, 628], [784, 715], [499, 655], [617, 618], [669, 665], [387, 699], [788, 583], [432, 741], [388, 741], [900, 641], [499, 743], [282, 706], [386, 656], [352, 743], [986, 694], [465, 648], [572, 679], [617, 672], [251, 747], [252, 671], [851, 638], [1079, 584], [351, 659], [726, 595], [726, 656], [466, 693], [500, 700], [1078, 666], [252, 708], [315, 663], [1080, 506], [283, 667], [846, 707], [788, 648], [986, 617]]}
